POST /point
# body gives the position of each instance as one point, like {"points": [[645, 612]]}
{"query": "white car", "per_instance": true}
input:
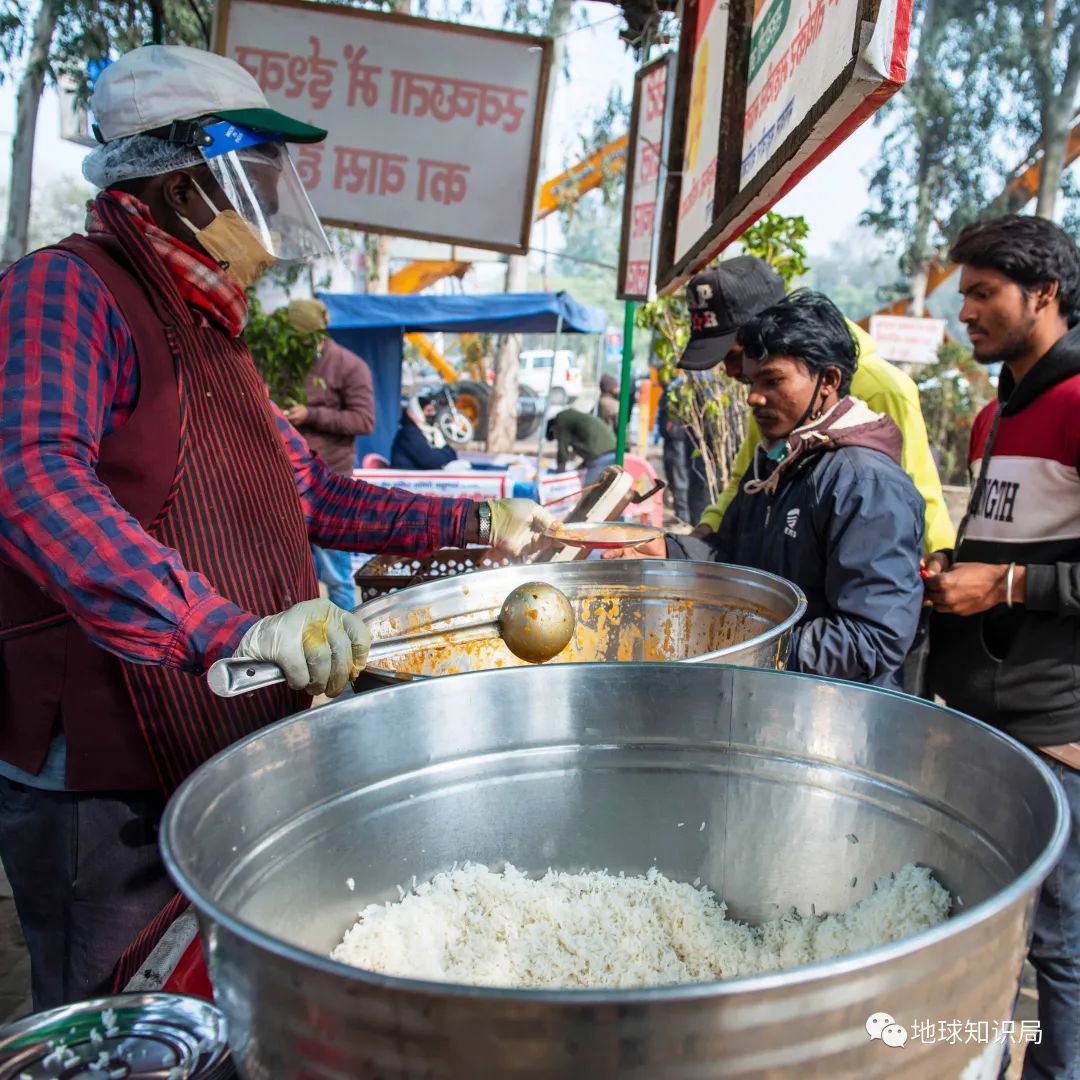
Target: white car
{"points": [[534, 371]]}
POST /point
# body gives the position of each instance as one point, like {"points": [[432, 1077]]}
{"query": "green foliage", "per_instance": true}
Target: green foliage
{"points": [[1031, 55], [712, 406], [709, 404], [952, 392], [283, 356], [95, 31], [779, 241]]}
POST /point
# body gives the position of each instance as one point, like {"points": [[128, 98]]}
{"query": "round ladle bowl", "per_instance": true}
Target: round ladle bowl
{"points": [[536, 622]]}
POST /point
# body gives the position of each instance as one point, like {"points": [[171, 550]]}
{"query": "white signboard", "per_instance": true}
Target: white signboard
{"points": [[457, 485], [797, 49], [702, 145], [907, 340], [75, 117], [434, 127], [817, 70], [643, 182], [557, 491]]}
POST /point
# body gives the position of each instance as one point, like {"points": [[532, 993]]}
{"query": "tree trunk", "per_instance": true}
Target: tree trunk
{"points": [[22, 146], [377, 263], [920, 277], [919, 255], [1056, 109], [502, 411], [1054, 137]]}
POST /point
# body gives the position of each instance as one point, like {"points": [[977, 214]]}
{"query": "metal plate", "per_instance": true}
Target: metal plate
{"points": [[602, 535], [158, 1036]]}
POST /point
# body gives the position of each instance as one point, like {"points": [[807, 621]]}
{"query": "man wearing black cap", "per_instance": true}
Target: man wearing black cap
{"points": [[723, 299], [827, 505]]}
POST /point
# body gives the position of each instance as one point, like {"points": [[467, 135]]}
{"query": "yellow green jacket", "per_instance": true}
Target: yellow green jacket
{"points": [[886, 389]]}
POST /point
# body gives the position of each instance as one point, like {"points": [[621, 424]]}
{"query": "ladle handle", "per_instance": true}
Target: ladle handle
{"points": [[238, 675]]}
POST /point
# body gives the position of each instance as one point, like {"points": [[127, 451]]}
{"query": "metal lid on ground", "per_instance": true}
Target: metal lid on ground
{"points": [[136, 1036]]}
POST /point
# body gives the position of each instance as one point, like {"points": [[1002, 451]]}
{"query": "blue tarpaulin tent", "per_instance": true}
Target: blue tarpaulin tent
{"points": [[373, 327]]}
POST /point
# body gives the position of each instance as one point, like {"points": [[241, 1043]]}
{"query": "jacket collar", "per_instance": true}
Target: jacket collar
{"points": [[851, 422], [1061, 362]]}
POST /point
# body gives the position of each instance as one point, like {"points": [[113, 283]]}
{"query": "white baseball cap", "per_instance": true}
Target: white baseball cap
{"points": [[151, 87]]}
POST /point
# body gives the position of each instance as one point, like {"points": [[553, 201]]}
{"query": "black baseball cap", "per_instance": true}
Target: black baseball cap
{"points": [[721, 300]]}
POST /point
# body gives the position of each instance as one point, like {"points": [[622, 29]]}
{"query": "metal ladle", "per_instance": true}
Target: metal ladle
{"points": [[536, 622]]}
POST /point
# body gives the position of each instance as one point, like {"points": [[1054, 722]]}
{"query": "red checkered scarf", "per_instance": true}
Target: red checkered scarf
{"points": [[201, 282]]}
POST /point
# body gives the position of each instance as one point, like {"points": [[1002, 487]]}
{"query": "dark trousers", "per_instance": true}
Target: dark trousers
{"points": [[1055, 955], [86, 875], [698, 490], [677, 451], [594, 467]]}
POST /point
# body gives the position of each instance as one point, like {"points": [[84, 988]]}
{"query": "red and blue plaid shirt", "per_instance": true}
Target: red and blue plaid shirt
{"points": [[69, 377]]}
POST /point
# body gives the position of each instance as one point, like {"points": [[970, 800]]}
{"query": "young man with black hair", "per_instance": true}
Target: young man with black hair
{"points": [[725, 297], [1006, 625], [828, 505]]}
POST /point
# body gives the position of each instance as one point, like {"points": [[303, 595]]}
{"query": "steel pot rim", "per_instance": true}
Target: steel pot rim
{"points": [[1028, 881], [773, 634]]}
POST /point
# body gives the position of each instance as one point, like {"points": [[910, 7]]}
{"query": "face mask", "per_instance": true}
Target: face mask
{"points": [[230, 241]]}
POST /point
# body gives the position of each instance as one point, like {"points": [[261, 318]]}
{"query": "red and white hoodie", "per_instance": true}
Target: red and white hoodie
{"points": [[1019, 668]]}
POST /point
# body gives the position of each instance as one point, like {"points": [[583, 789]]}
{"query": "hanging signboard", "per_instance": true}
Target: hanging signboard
{"points": [[76, 119], [904, 339], [701, 146], [74, 115], [645, 178], [800, 77], [434, 128]]}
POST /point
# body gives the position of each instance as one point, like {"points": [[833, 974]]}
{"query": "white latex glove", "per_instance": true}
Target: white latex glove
{"points": [[516, 523], [319, 646]]}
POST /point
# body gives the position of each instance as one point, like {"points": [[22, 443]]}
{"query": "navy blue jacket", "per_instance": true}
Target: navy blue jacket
{"points": [[412, 451], [846, 525]]}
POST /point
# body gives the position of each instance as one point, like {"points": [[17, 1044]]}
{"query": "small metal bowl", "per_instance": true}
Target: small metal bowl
{"points": [[128, 1037], [602, 535]]}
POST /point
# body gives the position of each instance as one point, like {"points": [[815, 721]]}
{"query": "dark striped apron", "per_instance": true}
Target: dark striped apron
{"points": [[233, 515]]}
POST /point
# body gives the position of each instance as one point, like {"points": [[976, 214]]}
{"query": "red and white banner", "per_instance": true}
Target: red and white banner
{"points": [[818, 69], [702, 145], [434, 127], [646, 170]]}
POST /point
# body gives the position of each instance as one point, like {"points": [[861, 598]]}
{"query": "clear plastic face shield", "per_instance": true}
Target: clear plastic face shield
{"points": [[261, 184]]}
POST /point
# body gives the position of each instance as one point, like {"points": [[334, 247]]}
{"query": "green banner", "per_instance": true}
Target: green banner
{"points": [[768, 34]]}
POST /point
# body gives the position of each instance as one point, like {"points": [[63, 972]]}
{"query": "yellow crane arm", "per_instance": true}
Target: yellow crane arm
{"points": [[559, 191], [432, 355], [418, 275], [569, 186]]}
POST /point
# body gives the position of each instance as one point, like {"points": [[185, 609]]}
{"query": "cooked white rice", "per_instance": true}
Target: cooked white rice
{"points": [[594, 930]]}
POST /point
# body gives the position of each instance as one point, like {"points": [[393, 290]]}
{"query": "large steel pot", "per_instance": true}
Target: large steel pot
{"points": [[626, 609], [808, 791]]}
